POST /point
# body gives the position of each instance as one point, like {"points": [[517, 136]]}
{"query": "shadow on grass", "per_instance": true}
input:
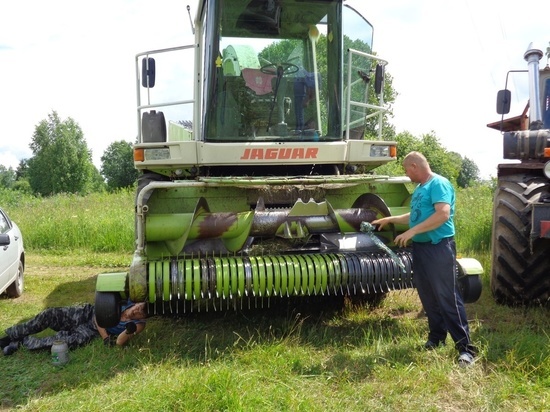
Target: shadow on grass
{"points": [[72, 293], [325, 330], [63, 294]]}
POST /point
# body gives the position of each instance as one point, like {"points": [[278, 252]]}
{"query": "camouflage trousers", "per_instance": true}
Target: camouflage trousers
{"points": [[73, 324]]}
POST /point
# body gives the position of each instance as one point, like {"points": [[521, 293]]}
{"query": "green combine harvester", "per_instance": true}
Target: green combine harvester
{"points": [[268, 191]]}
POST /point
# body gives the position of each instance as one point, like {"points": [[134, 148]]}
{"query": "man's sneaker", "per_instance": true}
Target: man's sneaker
{"points": [[5, 341], [433, 345], [465, 359], [11, 348]]}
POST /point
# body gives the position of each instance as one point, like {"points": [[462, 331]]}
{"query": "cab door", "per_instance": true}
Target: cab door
{"points": [[360, 77]]}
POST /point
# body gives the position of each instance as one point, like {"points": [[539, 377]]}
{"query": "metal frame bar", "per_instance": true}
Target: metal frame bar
{"points": [[379, 109]]}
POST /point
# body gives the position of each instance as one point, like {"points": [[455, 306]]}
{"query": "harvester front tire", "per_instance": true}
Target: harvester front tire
{"points": [[519, 272], [470, 288], [107, 309]]}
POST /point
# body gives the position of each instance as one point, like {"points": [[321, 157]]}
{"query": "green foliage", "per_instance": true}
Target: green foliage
{"points": [[96, 182], [118, 165], [461, 172], [280, 52], [469, 173], [22, 171], [14, 200], [7, 177], [98, 222], [473, 218], [441, 161], [61, 160], [23, 185]]}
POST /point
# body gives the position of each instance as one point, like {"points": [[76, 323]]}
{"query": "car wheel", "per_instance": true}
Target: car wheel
{"points": [[16, 288]]}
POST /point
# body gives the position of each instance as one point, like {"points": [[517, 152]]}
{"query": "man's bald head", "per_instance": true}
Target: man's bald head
{"points": [[417, 167], [415, 158]]}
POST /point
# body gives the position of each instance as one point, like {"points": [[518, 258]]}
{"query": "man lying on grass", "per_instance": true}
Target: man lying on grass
{"points": [[76, 325]]}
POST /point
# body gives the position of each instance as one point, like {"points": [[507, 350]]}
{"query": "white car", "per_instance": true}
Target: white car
{"points": [[12, 257]]}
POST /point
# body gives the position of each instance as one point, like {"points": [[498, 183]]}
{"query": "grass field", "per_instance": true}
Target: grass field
{"points": [[290, 358]]}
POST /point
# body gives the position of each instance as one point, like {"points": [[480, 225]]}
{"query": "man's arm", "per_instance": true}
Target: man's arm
{"points": [[102, 332], [125, 336], [399, 219]]}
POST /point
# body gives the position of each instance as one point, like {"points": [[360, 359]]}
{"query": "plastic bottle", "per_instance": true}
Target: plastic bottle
{"points": [[60, 353]]}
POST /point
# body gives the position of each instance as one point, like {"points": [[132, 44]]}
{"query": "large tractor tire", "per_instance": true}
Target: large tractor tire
{"points": [[519, 269]]}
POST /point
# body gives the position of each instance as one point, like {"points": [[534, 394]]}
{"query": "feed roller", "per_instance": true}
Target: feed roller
{"points": [[181, 285]]}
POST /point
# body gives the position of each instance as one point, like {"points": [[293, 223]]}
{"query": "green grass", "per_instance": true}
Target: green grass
{"points": [[289, 359], [97, 223], [473, 219], [354, 359]]}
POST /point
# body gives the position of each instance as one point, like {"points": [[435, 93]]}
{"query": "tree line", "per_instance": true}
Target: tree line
{"points": [[62, 163]]}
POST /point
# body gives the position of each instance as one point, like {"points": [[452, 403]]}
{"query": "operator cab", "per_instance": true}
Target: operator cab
{"points": [[274, 70], [269, 71]]}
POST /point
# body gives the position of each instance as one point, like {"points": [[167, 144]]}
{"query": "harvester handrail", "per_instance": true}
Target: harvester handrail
{"points": [[175, 103], [167, 49], [379, 109], [141, 107]]}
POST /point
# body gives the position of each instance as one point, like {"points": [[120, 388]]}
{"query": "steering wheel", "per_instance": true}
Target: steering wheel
{"points": [[288, 68]]}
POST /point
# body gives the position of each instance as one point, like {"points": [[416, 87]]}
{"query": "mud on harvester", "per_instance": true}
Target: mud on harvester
{"points": [[267, 193], [521, 217]]}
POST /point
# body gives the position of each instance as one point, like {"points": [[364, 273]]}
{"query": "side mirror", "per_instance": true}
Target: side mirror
{"points": [[504, 98], [4, 239], [148, 72], [378, 78]]}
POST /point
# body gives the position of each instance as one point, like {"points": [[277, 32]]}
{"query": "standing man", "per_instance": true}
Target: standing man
{"points": [[76, 325], [431, 229]]}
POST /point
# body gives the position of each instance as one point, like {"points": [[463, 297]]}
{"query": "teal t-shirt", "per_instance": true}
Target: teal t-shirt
{"points": [[436, 190]]}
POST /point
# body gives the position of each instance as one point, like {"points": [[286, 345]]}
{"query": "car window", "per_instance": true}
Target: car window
{"points": [[4, 223]]}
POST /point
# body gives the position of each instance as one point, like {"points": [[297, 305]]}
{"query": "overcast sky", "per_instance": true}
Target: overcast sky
{"points": [[448, 60]]}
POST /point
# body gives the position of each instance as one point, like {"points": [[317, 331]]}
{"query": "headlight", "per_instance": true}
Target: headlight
{"points": [[379, 151]]}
